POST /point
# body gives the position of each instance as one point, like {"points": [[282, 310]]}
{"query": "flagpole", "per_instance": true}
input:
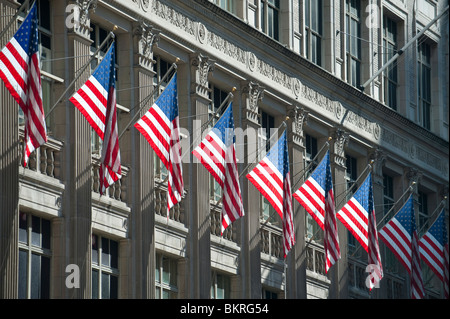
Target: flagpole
{"points": [[110, 35], [150, 95], [13, 19]]}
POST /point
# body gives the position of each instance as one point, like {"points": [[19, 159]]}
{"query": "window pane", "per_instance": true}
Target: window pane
{"points": [[105, 252], [35, 276], [23, 274], [105, 286], [114, 287], [94, 284], [46, 234], [45, 277], [23, 228], [95, 249], [114, 247], [35, 231]]}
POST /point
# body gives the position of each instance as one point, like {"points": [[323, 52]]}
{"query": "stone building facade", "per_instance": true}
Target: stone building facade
{"points": [[305, 62]]}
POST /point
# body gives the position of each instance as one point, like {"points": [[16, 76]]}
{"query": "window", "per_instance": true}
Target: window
{"points": [[313, 31], [228, 5], [389, 50], [165, 277], [105, 268], [269, 10], [388, 193], [220, 286], [424, 84], [34, 257], [422, 213], [353, 50], [269, 294]]}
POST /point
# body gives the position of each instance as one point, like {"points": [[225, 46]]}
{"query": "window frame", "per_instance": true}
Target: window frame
{"points": [[353, 59], [311, 32], [102, 268]]}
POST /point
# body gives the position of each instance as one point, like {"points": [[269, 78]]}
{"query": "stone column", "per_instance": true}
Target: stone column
{"points": [[197, 185], [10, 160], [136, 150], [296, 271], [73, 129], [251, 93], [338, 273]]}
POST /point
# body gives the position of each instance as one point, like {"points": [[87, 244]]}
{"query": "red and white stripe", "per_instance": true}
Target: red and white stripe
{"points": [[91, 100], [374, 252], [175, 167], [355, 217], [433, 254], [269, 181], [417, 287], [312, 197], [110, 170], [164, 138], [331, 238], [397, 238], [220, 161], [22, 78], [446, 275]]}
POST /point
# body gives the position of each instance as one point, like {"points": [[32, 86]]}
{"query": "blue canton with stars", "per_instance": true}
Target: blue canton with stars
{"points": [[104, 73], [322, 174], [364, 195], [224, 128], [279, 156], [27, 35], [438, 229], [406, 216], [168, 100]]}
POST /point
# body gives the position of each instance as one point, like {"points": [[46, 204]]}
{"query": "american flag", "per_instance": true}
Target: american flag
{"points": [[160, 127], [317, 197], [217, 153], [96, 100], [433, 248], [358, 215], [400, 236], [272, 178], [19, 70]]}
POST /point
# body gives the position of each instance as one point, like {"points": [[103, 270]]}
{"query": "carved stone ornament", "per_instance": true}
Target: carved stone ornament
{"points": [[201, 67], [413, 175], [147, 36], [254, 92], [300, 118], [85, 6], [379, 159], [341, 138]]}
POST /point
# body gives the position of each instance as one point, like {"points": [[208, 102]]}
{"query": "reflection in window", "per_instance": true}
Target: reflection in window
{"points": [[105, 268]]}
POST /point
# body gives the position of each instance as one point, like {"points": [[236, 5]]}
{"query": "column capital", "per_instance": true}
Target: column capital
{"points": [[299, 116], [340, 137], [82, 25], [252, 92], [146, 36], [201, 67]]}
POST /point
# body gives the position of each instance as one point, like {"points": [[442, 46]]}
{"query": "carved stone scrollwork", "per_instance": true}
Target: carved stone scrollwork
{"points": [[253, 92], [201, 67], [341, 138], [147, 36]]}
